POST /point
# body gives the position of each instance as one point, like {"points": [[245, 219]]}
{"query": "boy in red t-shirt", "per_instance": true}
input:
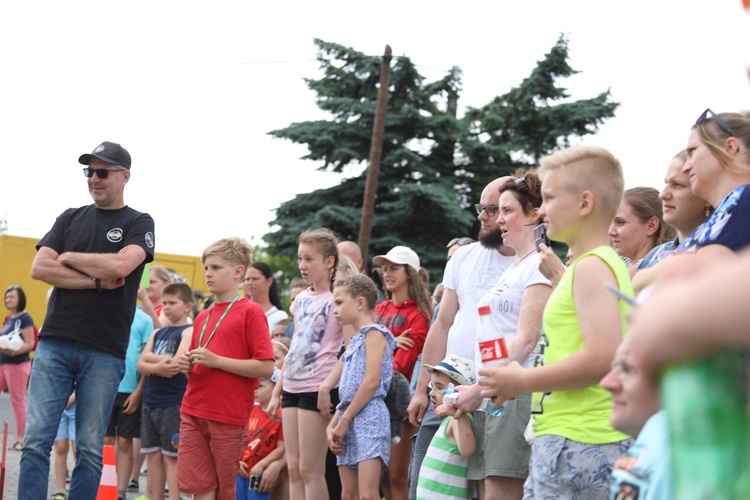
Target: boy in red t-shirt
{"points": [[263, 465], [229, 350]]}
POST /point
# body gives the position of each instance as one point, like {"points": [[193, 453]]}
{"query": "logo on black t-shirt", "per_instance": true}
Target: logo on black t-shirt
{"points": [[115, 235], [150, 239]]}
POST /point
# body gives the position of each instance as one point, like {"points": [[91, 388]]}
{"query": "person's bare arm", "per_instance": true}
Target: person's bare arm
{"points": [[529, 325], [148, 307], [601, 332], [105, 266], [147, 358], [433, 352], [46, 267], [700, 295], [27, 334], [463, 434], [550, 264]]}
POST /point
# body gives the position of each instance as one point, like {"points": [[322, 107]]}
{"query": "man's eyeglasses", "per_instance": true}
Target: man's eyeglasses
{"points": [[102, 173], [710, 114], [464, 240], [490, 209]]}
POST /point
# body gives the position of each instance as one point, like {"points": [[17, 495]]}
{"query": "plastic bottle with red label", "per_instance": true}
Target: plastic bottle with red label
{"points": [[492, 351], [492, 348]]}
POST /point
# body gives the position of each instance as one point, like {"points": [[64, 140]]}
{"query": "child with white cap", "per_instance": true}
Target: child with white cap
{"points": [[443, 471], [407, 312]]}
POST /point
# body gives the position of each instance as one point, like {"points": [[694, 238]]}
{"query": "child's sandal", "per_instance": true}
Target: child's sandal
{"points": [[58, 496]]}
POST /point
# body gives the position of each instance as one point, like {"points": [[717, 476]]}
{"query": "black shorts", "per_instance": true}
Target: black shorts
{"points": [[307, 400], [121, 424], [160, 430]]}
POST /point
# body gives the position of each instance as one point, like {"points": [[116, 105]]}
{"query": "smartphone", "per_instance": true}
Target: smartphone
{"points": [[540, 236], [254, 482]]}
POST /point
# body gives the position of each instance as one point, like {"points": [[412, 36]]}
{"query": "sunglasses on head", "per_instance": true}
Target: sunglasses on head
{"points": [[13, 287], [464, 240], [708, 114], [102, 173]]}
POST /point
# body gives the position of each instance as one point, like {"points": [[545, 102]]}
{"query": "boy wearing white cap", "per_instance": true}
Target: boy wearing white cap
{"points": [[443, 471]]}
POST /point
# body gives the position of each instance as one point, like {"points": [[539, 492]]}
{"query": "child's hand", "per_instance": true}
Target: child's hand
{"points": [[337, 436], [202, 356], [270, 477], [257, 470], [502, 383], [403, 341], [273, 408], [445, 410], [550, 264], [167, 367], [243, 470], [324, 405], [186, 363]]}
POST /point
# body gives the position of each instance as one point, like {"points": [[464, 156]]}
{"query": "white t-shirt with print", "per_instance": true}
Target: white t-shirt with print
{"points": [[472, 271], [504, 300]]}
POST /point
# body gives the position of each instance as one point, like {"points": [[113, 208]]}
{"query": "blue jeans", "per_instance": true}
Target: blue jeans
{"points": [[58, 365]]}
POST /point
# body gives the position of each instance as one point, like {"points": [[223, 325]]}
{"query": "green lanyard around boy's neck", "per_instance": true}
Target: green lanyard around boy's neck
{"points": [[216, 326]]}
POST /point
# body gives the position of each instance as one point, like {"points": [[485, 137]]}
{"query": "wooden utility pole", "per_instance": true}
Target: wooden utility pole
{"points": [[376, 151]]}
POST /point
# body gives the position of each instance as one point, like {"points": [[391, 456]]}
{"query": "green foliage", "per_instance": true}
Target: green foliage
{"points": [[517, 128], [433, 164]]}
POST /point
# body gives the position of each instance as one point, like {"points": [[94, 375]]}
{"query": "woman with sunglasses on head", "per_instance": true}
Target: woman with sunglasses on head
{"points": [[15, 363], [718, 169]]}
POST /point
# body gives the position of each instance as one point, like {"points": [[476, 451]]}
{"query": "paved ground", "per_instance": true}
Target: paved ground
{"points": [[12, 458]]}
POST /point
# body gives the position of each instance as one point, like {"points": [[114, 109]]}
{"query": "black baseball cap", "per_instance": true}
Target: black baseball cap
{"points": [[111, 152]]}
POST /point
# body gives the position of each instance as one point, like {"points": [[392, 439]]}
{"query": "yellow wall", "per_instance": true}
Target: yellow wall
{"points": [[17, 253]]}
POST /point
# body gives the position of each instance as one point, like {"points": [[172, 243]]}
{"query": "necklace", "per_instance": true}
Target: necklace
{"points": [[216, 326], [521, 260]]}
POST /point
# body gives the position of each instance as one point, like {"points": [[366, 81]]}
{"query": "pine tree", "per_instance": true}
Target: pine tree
{"points": [[434, 164]]}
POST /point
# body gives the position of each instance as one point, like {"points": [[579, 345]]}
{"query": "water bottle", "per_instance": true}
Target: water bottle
{"points": [[706, 407], [492, 351]]}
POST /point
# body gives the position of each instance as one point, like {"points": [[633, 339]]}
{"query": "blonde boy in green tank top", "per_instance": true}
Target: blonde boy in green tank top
{"points": [[574, 446]]}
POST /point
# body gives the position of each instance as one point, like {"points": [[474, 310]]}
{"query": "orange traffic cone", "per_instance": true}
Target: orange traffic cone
{"points": [[108, 483]]}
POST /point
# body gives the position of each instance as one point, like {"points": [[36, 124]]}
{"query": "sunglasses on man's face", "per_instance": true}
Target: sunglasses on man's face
{"points": [[710, 114], [102, 173]]}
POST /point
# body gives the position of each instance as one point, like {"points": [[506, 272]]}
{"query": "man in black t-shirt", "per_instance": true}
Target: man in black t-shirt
{"points": [[94, 257]]}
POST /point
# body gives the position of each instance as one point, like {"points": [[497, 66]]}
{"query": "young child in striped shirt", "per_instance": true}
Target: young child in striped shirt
{"points": [[443, 471]]}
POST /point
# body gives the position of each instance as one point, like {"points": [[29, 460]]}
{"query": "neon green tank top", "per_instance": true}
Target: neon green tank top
{"points": [[581, 415]]}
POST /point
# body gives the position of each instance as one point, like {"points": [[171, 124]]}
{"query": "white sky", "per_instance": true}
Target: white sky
{"points": [[192, 88]]}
